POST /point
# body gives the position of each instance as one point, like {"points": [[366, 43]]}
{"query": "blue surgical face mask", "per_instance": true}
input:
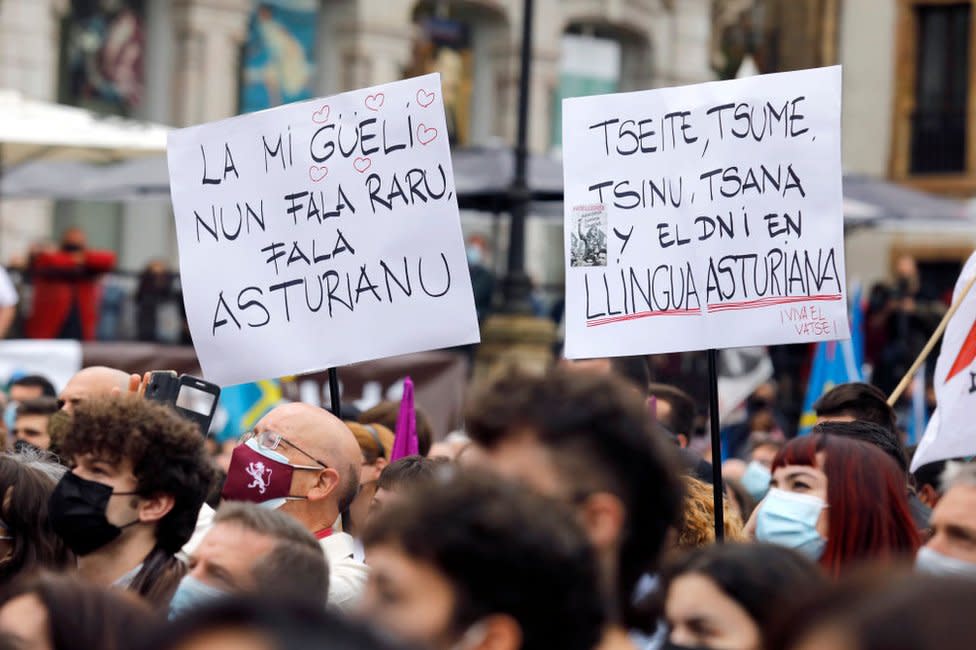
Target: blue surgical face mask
{"points": [[790, 519], [10, 415], [271, 504], [192, 593], [756, 480], [934, 563]]}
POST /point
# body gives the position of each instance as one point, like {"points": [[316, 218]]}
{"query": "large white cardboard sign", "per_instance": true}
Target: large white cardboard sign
{"points": [[707, 216], [321, 233]]}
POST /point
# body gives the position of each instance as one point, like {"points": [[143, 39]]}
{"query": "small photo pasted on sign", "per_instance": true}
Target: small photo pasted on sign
{"points": [[588, 238]]}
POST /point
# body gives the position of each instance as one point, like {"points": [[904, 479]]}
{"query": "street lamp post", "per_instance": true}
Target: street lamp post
{"points": [[516, 288], [513, 334]]}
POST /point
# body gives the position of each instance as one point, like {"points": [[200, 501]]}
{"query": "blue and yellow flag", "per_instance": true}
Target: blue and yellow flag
{"points": [[245, 404]]}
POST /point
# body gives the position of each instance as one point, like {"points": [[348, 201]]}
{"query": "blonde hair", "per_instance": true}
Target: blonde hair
{"points": [[698, 518], [375, 440]]}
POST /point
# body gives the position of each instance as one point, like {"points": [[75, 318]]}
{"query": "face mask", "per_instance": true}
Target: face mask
{"points": [[934, 563], [20, 446], [10, 415], [190, 594], [474, 255], [258, 475], [72, 248], [77, 511], [790, 519], [756, 480]]}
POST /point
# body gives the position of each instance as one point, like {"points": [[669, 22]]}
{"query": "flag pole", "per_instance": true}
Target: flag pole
{"points": [[717, 487], [933, 340]]}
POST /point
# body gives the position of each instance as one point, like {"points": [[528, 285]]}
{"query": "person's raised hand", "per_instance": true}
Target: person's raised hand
{"points": [[137, 385]]}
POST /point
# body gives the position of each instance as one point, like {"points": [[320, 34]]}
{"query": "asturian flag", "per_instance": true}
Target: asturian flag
{"points": [[951, 432]]}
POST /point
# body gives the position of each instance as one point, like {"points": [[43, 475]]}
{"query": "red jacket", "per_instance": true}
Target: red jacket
{"points": [[60, 279]]}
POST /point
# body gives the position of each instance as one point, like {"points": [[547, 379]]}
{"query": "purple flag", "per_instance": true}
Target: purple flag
{"points": [[405, 443]]}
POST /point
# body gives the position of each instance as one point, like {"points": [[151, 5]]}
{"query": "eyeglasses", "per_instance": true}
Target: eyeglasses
{"points": [[270, 440]]}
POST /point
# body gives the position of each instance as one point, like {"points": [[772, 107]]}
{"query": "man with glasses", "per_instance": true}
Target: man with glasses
{"points": [[305, 462]]}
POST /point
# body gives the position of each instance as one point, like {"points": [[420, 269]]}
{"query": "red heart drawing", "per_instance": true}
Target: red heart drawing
{"points": [[317, 173], [362, 164], [425, 98], [321, 116], [426, 134], [375, 102]]}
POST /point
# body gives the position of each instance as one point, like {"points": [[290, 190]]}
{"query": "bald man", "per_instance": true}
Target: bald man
{"points": [[305, 462], [96, 381]]}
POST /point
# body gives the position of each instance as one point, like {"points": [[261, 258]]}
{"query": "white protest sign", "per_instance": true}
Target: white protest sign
{"points": [[707, 216], [321, 233]]}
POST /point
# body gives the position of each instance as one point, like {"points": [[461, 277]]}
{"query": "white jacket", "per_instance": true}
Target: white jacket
{"points": [[347, 576]]}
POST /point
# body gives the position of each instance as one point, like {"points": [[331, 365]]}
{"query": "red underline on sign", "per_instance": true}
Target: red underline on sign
{"points": [[643, 314], [770, 302]]}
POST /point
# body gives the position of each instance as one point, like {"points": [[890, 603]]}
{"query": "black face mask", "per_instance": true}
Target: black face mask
{"points": [[77, 511], [20, 446], [72, 248]]}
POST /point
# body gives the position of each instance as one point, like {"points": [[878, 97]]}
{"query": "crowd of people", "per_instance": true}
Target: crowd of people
{"points": [[571, 513]]}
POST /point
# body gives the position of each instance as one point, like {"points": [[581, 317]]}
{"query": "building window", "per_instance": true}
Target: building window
{"points": [[933, 146], [938, 123]]}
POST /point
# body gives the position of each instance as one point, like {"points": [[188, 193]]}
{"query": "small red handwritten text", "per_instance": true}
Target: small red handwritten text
{"points": [[808, 320]]}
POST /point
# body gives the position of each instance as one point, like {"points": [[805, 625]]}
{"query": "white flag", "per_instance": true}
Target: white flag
{"points": [[951, 432]]}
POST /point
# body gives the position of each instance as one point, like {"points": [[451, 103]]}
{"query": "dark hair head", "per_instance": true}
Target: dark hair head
{"points": [[386, 413], [24, 494], [168, 457], [81, 615], [930, 474], [283, 624], [38, 406], [504, 551], [877, 610], [166, 452], [682, 416], [296, 567], [870, 433], [763, 579], [409, 472], [36, 381], [633, 370], [868, 516], [600, 438], [859, 401]]}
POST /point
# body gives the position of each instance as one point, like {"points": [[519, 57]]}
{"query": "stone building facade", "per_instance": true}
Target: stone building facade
{"points": [[192, 73]]}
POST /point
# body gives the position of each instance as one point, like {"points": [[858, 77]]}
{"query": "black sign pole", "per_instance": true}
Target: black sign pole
{"points": [[334, 393], [717, 487]]}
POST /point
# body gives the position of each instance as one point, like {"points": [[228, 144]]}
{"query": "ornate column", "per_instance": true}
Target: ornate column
{"points": [[209, 35], [29, 44]]}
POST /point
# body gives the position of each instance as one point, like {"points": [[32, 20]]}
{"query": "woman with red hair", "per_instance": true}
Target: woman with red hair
{"points": [[838, 500]]}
